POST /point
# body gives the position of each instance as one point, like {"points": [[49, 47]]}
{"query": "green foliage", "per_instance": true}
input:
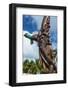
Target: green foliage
{"points": [[37, 67], [33, 67]]}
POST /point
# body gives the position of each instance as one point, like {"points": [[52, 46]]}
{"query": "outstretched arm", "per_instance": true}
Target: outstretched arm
{"points": [[33, 37]]}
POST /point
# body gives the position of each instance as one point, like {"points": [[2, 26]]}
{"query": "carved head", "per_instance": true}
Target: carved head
{"points": [[46, 23]]}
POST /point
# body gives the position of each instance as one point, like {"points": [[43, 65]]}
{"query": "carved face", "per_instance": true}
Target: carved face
{"points": [[46, 25]]}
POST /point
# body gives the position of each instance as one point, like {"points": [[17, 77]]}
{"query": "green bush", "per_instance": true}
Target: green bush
{"points": [[33, 67]]}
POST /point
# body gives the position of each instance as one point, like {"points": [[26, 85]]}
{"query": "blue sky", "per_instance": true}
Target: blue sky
{"points": [[32, 24]]}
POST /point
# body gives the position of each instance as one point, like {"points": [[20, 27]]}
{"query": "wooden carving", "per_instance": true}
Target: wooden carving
{"points": [[46, 52]]}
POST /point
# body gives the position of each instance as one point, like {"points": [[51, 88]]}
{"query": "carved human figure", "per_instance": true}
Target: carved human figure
{"points": [[44, 44]]}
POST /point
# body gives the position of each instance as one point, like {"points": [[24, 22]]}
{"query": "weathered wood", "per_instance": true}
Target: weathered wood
{"points": [[44, 44]]}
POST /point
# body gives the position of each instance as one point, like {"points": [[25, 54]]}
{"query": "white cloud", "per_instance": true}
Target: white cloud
{"points": [[30, 50], [38, 19]]}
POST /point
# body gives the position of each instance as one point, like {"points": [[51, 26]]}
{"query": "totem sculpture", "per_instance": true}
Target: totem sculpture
{"points": [[46, 53]]}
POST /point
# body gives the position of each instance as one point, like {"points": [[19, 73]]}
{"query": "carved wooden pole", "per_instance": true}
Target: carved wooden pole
{"points": [[44, 44]]}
